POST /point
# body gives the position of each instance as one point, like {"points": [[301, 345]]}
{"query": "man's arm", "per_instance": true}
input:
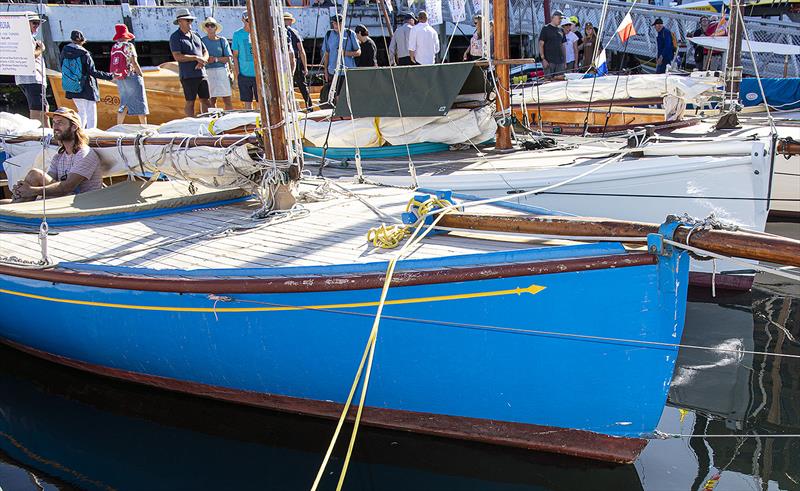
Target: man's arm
{"points": [[412, 45], [393, 50], [575, 50], [236, 64], [545, 63], [60, 188], [303, 60], [356, 51], [325, 65]]}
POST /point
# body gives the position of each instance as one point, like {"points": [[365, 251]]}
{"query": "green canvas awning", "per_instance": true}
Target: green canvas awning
{"points": [[422, 90]]}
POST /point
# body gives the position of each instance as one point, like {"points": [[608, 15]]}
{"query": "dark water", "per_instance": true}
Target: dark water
{"points": [[62, 429]]}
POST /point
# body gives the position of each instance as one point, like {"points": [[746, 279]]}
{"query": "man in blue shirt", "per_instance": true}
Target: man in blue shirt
{"points": [[244, 68], [330, 51], [665, 49], [191, 54]]}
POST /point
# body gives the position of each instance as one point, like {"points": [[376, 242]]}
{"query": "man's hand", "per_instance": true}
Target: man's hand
{"points": [[325, 75], [305, 71], [659, 60], [545, 64]]}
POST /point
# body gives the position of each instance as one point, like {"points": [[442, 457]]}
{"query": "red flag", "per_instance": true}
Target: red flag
{"points": [[626, 29]]}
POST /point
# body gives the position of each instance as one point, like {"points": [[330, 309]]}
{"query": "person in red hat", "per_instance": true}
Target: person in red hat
{"points": [[128, 75]]}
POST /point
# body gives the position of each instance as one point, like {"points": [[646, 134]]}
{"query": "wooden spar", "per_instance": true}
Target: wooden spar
{"points": [[503, 78], [747, 245], [385, 13], [733, 70], [271, 104], [788, 147], [222, 141]]}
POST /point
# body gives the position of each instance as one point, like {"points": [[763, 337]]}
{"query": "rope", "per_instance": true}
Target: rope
{"points": [[660, 435], [533, 332], [389, 237], [757, 267], [43, 228], [417, 236], [758, 76]]}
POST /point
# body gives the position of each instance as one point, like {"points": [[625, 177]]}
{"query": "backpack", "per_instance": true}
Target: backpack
{"points": [[119, 61], [72, 75]]}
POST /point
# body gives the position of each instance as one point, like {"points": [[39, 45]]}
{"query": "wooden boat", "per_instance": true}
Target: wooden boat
{"points": [[235, 317], [164, 96], [199, 291]]}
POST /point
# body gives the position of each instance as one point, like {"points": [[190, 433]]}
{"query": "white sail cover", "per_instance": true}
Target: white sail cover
{"points": [[721, 43], [691, 89]]}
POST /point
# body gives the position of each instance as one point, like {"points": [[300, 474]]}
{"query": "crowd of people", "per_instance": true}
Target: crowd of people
{"points": [[209, 66]]}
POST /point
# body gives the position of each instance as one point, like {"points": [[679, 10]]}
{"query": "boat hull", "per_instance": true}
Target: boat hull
{"points": [[505, 359]]}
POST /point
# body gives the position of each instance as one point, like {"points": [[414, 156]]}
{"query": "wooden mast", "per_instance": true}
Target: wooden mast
{"points": [[270, 102], [503, 137], [733, 70]]}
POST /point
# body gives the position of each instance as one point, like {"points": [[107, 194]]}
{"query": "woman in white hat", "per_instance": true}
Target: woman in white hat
{"points": [[219, 55]]}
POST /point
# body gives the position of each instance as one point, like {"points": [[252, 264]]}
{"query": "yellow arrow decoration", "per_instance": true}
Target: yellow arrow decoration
{"points": [[533, 290]]}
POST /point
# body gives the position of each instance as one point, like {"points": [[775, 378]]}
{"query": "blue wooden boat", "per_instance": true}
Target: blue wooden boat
{"points": [[528, 343]]}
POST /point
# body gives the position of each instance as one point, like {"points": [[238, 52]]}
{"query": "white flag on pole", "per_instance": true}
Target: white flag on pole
{"points": [[434, 10], [458, 10]]}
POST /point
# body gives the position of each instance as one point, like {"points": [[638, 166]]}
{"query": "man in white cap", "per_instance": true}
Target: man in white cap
{"points": [[34, 86], [192, 57]]}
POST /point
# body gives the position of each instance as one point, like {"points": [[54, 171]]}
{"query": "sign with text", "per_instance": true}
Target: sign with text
{"points": [[16, 49], [458, 11], [434, 10]]}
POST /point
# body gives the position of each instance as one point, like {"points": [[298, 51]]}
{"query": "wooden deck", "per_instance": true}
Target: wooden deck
{"points": [[332, 232]]}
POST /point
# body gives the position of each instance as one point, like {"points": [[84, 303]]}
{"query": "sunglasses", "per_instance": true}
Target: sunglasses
{"points": [[210, 25], [36, 22]]}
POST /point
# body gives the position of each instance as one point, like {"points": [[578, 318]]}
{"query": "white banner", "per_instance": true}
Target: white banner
{"points": [[16, 47], [434, 10], [458, 10]]}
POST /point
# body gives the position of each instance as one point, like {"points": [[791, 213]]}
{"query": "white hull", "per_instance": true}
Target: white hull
{"points": [[645, 189]]}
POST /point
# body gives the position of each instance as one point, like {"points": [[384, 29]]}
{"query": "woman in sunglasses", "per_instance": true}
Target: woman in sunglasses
{"points": [[219, 73], [475, 50]]}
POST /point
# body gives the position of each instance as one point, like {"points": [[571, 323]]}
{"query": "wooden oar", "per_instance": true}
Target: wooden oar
{"points": [[747, 245], [221, 141]]}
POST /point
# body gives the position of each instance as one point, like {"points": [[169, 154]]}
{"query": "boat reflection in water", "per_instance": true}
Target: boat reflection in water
{"points": [[739, 394], [90, 432], [96, 433]]}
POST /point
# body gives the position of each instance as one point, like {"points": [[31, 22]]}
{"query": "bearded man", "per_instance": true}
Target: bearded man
{"points": [[74, 169]]}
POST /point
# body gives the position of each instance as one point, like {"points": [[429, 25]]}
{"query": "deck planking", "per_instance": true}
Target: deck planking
{"points": [[333, 232]]}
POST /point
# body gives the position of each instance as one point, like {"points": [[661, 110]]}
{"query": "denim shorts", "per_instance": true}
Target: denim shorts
{"points": [[132, 95], [33, 94], [247, 88]]}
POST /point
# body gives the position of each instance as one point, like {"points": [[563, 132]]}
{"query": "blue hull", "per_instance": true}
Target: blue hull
{"points": [[460, 349]]}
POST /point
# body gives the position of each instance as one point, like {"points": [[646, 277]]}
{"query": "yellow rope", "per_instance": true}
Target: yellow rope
{"points": [[389, 237], [377, 123], [417, 235]]}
